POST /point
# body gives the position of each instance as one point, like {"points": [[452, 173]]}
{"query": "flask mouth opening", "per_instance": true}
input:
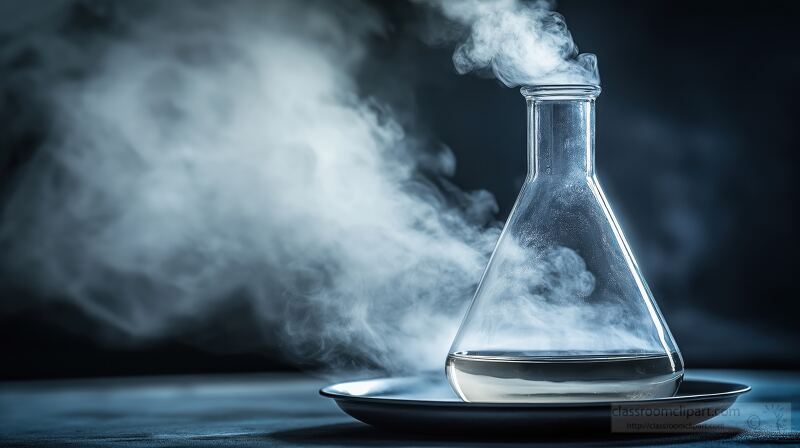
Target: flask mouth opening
{"points": [[561, 91]]}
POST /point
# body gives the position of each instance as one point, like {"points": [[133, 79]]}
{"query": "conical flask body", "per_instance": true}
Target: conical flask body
{"points": [[562, 312]]}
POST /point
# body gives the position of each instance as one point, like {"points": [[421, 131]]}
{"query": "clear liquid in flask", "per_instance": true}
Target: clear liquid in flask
{"points": [[509, 377]]}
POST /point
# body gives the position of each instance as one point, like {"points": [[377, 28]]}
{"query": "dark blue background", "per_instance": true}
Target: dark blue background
{"points": [[696, 147]]}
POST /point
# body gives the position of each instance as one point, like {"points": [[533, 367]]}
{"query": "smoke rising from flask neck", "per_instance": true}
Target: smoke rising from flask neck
{"points": [[522, 43]]}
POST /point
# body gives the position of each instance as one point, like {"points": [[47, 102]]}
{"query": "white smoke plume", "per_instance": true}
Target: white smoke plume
{"points": [[209, 152], [221, 150], [522, 42]]}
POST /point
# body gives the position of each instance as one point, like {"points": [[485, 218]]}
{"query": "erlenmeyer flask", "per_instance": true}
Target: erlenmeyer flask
{"points": [[562, 312]]}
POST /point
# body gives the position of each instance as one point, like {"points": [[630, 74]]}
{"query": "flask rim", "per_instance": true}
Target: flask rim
{"points": [[561, 91]]}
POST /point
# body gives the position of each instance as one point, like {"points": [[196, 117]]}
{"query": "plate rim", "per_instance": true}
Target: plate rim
{"points": [[327, 392]]}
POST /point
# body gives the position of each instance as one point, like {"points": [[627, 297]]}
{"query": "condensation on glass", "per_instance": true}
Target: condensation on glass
{"points": [[562, 312]]}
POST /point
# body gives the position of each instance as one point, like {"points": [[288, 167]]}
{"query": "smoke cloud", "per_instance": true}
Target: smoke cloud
{"points": [[523, 43], [205, 154]]}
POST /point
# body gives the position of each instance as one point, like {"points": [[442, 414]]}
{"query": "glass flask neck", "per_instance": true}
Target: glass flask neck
{"points": [[560, 130]]}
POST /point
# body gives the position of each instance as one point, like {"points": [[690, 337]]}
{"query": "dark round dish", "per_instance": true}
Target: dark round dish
{"points": [[427, 404]]}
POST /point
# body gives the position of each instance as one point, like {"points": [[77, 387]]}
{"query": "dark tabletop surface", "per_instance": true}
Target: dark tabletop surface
{"points": [[285, 409]]}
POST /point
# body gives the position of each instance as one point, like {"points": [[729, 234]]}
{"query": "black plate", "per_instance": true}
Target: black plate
{"points": [[427, 404]]}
